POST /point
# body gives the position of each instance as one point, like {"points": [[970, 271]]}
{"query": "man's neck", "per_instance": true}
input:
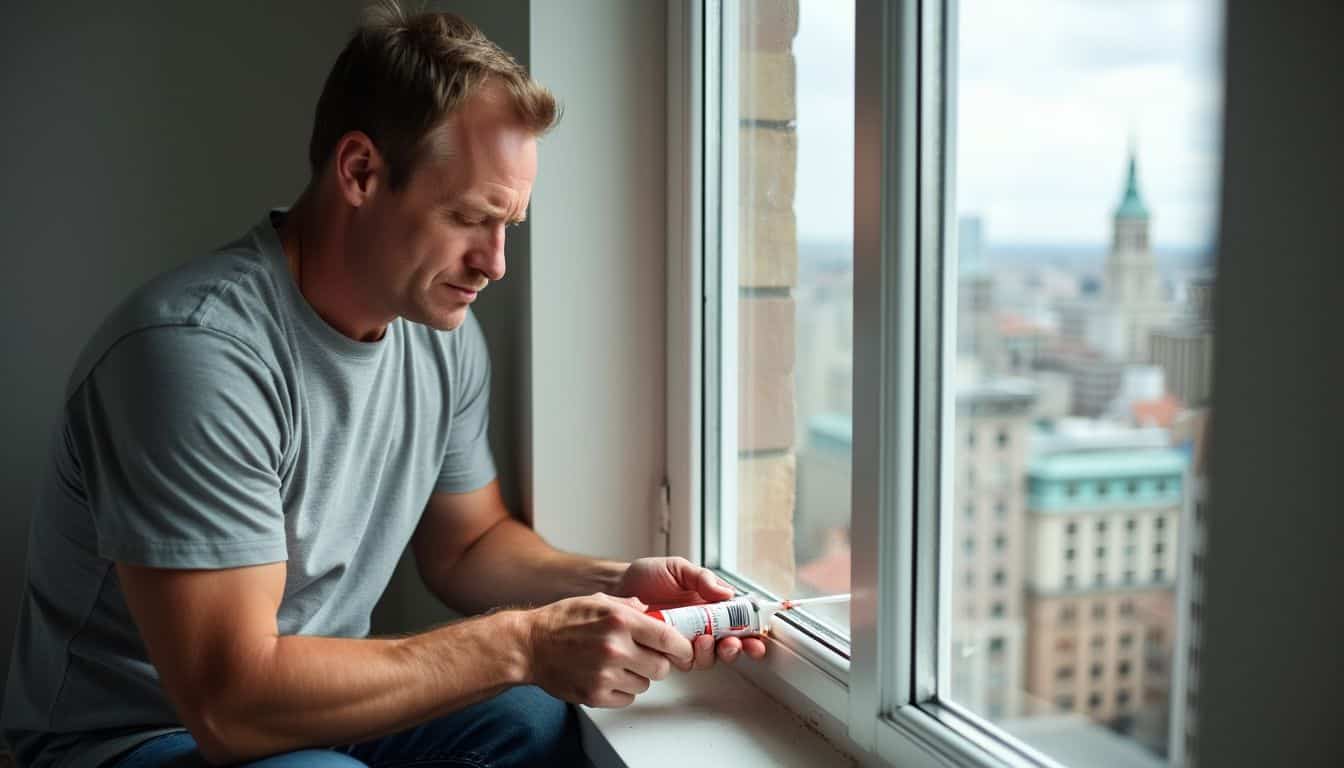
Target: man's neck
{"points": [[323, 281]]}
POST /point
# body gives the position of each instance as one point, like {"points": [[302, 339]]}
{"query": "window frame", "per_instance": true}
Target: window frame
{"points": [[880, 698]]}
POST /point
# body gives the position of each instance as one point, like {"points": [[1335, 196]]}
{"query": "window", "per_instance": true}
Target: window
{"points": [[779, 264], [1123, 669], [1127, 608], [1099, 610], [1064, 673], [1126, 640], [889, 274]]}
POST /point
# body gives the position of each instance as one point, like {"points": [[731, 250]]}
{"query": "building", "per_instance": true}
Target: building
{"points": [[1132, 287], [1184, 348], [987, 629], [1094, 379], [1190, 435], [1102, 534]]}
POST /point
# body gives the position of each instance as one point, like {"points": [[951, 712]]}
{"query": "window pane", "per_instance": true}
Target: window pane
{"points": [[1085, 175], [786, 249]]}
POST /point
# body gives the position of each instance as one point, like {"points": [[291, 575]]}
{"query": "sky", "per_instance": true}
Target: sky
{"points": [[1050, 94]]}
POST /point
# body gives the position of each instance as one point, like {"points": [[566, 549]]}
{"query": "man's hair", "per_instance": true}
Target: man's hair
{"points": [[401, 76]]}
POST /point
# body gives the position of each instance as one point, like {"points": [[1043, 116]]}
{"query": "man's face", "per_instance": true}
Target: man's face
{"points": [[427, 249]]}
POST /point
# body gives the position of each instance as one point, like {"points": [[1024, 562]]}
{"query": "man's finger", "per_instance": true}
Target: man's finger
{"points": [[704, 652], [631, 683], [711, 587], [660, 636], [754, 647], [728, 648], [648, 664]]}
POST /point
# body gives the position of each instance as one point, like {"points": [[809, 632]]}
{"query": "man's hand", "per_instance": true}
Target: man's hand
{"points": [[601, 651], [668, 582]]}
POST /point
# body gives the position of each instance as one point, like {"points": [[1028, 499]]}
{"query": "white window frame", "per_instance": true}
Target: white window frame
{"points": [[881, 698]]}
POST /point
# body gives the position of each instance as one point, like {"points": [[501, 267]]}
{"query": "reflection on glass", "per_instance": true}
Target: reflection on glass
{"points": [[1085, 174]]}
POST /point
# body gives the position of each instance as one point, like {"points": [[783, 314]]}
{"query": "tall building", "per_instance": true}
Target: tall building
{"points": [[1102, 529], [1184, 348], [987, 631], [1191, 435], [1132, 287]]}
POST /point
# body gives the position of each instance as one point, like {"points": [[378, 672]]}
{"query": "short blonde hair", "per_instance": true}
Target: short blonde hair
{"points": [[401, 76]]}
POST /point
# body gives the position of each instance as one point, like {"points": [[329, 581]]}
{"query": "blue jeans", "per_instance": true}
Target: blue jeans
{"points": [[520, 727]]}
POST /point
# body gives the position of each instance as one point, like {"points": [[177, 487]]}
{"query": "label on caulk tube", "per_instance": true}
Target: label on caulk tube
{"points": [[733, 618]]}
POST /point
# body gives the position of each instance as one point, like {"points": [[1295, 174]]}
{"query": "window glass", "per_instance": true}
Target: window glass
{"points": [[1085, 172], [787, 245]]}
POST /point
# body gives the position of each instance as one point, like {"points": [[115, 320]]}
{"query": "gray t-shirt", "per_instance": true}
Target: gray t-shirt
{"points": [[214, 421]]}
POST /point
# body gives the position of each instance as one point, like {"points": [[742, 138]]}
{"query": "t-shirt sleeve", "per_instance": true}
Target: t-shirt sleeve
{"points": [[467, 462], [178, 434]]}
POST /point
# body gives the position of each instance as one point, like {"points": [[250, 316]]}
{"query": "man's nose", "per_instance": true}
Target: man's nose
{"points": [[488, 257]]}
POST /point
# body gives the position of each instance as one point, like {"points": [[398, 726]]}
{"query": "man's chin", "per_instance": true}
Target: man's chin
{"points": [[441, 320]]}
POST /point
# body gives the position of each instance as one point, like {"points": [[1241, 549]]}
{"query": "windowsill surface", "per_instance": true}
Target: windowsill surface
{"points": [[715, 717]]}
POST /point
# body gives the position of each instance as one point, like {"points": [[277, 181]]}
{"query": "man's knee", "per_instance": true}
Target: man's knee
{"points": [[307, 758], [535, 729]]}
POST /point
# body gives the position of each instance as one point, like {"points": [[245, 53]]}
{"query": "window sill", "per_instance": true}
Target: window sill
{"points": [[717, 714]]}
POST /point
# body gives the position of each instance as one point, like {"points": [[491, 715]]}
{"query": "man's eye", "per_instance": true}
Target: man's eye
{"points": [[468, 221]]}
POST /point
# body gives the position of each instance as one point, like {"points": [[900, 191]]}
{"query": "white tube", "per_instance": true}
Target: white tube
{"points": [[732, 618]]}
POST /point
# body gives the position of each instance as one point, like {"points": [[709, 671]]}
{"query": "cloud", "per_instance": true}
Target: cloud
{"points": [[1049, 92]]}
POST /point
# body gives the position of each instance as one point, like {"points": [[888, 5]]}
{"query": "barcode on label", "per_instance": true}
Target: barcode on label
{"points": [[738, 617]]}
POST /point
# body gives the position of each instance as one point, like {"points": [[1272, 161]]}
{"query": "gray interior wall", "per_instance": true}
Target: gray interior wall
{"points": [[135, 136], [599, 301], [1272, 669]]}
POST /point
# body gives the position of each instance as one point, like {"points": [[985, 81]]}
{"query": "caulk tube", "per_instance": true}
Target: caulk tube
{"points": [[741, 617]]}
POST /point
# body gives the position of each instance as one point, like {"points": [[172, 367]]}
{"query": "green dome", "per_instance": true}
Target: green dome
{"points": [[1132, 207]]}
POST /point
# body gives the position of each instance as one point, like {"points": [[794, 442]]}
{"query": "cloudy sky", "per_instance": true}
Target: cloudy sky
{"points": [[1049, 94]]}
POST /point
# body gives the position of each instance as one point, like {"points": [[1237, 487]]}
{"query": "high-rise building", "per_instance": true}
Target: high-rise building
{"points": [[1133, 289], [987, 631], [1184, 348], [1190, 435], [1102, 529]]}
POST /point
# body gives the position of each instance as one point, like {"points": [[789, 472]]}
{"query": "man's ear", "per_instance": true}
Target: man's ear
{"points": [[358, 165]]}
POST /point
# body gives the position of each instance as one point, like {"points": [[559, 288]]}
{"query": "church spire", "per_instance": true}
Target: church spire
{"points": [[1131, 206]]}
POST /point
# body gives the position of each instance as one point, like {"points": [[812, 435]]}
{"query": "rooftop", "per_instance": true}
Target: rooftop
{"points": [[1108, 464]]}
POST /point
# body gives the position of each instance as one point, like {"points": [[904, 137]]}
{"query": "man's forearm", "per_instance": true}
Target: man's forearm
{"points": [[512, 565], [318, 691]]}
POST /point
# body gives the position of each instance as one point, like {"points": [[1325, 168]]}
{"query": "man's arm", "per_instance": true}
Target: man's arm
{"points": [[474, 556], [244, 691]]}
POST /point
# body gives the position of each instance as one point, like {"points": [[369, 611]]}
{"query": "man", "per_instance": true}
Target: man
{"points": [[251, 440]]}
